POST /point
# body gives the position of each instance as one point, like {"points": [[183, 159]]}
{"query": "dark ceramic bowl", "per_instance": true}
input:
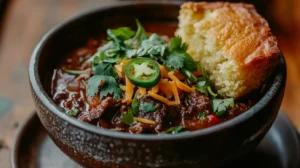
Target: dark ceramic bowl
{"points": [[96, 147]]}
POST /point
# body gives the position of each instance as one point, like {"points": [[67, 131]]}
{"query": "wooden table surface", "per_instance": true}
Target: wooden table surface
{"points": [[25, 21]]}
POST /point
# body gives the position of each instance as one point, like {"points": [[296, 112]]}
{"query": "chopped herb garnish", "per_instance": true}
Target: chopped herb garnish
{"points": [[189, 63], [73, 112], [177, 45], [131, 53], [175, 130], [174, 60], [203, 84], [123, 33], [140, 35], [128, 118], [147, 107], [177, 57], [108, 86], [153, 46], [106, 69], [135, 105], [110, 52], [221, 105], [201, 116]]}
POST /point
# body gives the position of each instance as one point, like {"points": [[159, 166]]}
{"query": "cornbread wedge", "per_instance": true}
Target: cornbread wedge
{"points": [[232, 41]]}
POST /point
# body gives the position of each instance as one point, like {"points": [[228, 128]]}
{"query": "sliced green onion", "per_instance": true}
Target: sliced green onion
{"points": [[76, 72]]}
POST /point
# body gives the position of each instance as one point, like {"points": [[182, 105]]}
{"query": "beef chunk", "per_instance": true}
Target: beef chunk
{"points": [[141, 128], [238, 109], [158, 115], [96, 112], [196, 102]]}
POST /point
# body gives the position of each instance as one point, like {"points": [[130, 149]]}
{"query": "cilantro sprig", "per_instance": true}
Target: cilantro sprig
{"points": [[201, 115], [177, 57], [128, 118], [147, 107], [135, 105], [108, 84], [73, 112], [106, 69], [204, 85], [220, 106]]}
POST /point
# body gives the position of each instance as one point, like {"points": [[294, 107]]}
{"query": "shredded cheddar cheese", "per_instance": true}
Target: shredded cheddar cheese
{"points": [[118, 69], [142, 90], [163, 71], [123, 88], [161, 98], [129, 91], [143, 120], [154, 89], [179, 75], [165, 87], [175, 92], [123, 63], [179, 84]]}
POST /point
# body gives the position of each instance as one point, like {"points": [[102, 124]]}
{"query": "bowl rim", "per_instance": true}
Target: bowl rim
{"points": [[277, 85]]}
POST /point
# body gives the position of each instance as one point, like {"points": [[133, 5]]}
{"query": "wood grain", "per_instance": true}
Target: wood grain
{"points": [[25, 21]]}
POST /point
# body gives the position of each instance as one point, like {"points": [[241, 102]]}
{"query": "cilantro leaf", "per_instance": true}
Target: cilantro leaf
{"points": [[109, 86], [202, 90], [201, 116], [177, 56], [106, 69], [112, 37], [174, 60], [189, 63], [73, 112], [109, 52], [123, 33], [177, 45], [147, 107], [139, 36], [135, 105], [128, 118], [175, 130], [131, 53], [153, 46], [203, 84], [221, 105]]}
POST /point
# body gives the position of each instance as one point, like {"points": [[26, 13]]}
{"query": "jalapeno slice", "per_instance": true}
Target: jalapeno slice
{"points": [[143, 72]]}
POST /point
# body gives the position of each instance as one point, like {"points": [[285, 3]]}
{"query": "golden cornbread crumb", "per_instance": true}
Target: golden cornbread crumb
{"points": [[232, 41]]}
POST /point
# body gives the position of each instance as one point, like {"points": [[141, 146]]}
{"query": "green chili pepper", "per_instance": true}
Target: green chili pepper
{"points": [[143, 72]]}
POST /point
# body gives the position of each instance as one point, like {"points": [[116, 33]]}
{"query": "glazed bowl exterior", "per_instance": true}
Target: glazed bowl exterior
{"points": [[97, 147]]}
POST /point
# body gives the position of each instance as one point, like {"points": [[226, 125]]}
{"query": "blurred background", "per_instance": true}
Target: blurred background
{"points": [[24, 22]]}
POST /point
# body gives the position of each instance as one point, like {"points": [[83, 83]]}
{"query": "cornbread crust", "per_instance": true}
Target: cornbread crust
{"points": [[232, 41]]}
